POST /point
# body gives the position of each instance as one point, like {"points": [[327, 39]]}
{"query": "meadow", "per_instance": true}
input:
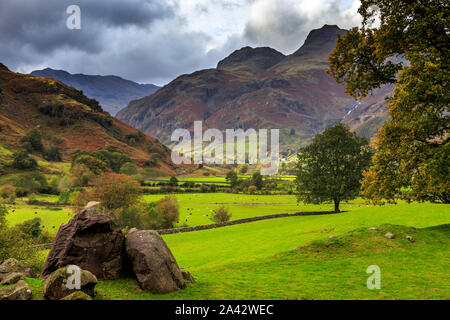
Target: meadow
{"points": [[258, 260]]}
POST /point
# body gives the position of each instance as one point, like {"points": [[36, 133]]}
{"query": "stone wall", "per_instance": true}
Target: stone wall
{"points": [[240, 221]]}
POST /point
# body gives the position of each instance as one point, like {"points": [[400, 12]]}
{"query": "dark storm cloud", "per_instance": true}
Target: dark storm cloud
{"points": [[149, 40], [34, 33]]}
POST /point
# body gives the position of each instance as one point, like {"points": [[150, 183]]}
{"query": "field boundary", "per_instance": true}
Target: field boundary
{"points": [[240, 221]]}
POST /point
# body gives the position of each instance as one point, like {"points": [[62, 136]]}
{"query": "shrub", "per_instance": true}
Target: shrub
{"points": [[94, 164], [115, 191], [33, 229], [6, 191], [128, 168], [162, 214], [64, 197], [32, 182], [221, 214], [32, 140], [23, 162], [173, 181], [13, 243], [132, 217], [52, 154], [80, 175], [251, 189], [32, 199]]}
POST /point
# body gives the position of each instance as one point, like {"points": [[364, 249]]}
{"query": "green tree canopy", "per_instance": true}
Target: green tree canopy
{"points": [[410, 49], [331, 167]]}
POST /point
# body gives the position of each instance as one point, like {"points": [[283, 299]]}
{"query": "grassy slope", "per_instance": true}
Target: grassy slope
{"points": [[257, 261]]}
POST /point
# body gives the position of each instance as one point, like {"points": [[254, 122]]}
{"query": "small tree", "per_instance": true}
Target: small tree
{"points": [[251, 189], [32, 141], [331, 167], [128, 168], [257, 180], [232, 178], [52, 154], [173, 181], [116, 191], [162, 214], [23, 162], [221, 214]]}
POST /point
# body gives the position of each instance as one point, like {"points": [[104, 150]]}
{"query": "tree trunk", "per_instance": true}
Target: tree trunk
{"points": [[336, 206]]}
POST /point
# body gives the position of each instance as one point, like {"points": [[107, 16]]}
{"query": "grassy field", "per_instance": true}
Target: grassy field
{"points": [[257, 260], [51, 217]]}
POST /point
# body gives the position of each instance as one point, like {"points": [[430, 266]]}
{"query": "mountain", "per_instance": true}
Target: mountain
{"points": [[253, 88], [113, 93], [68, 119]]}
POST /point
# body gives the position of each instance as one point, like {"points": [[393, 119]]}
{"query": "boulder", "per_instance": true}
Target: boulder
{"points": [[332, 237], [389, 235], [410, 239], [152, 262], [78, 295], [12, 278], [19, 291], [13, 266], [92, 241], [373, 229], [56, 285], [187, 276]]}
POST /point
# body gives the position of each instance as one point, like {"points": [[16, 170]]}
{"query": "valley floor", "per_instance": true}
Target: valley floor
{"points": [[257, 260]]}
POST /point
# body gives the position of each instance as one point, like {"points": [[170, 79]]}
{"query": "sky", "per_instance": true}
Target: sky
{"points": [[155, 41]]}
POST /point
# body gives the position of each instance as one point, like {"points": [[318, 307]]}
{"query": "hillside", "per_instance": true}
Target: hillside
{"points": [[254, 88], [68, 119], [112, 92]]}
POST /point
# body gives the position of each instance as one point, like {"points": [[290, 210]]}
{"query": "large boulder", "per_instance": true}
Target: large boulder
{"points": [[57, 287], [12, 266], [13, 278], [153, 264], [19, 291], [92, 241]]}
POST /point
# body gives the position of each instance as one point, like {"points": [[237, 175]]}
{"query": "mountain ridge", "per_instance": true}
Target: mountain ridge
{"points": [[293, 93], [112, 92], [68, 119]]}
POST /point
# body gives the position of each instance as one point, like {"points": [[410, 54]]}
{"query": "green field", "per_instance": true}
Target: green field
{"points": [[257, 260], [51, 217]]}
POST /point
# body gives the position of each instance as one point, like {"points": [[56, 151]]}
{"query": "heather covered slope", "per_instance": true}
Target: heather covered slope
{"points": [[113, 93], [68, 119], [253, 88]]}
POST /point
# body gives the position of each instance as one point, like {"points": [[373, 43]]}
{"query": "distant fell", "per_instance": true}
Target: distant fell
{"points": [[112, 92]]}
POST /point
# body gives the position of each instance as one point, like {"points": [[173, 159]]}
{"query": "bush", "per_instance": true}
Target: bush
{"points": [[23, 162], [115, 191], [52, 154], [6, 191], [31, 183], [251, 189], [132, 217], [32, 141], [33, 229], [13, 243], [129, 169], [95, 165], [64, 197], [80, 176], [173, 181], [32, 199], [162, 214], [221, 214]]}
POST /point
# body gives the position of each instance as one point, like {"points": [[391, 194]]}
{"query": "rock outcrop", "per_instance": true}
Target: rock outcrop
{"points": [[19, 291], [12, 271], [92, 241], [153, 263], [58, 284]]}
